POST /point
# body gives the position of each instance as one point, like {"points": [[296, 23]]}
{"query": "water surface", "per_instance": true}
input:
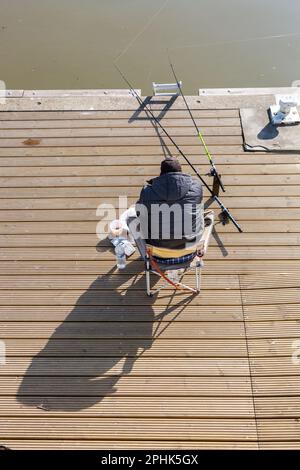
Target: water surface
{"points": [[64, 44]]}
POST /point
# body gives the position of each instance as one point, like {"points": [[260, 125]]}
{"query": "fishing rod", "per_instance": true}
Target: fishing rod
{"points": [[225, 212], [213, 171]]}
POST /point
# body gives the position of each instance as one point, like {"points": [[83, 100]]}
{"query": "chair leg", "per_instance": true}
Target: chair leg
{"points": [[148, 282], [198, 279]]}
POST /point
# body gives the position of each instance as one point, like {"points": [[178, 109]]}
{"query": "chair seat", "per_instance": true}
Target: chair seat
{"points": [[174, 267]]}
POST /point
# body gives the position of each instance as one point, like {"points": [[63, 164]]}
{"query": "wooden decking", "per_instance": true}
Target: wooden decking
{"points": [[91, 361]]}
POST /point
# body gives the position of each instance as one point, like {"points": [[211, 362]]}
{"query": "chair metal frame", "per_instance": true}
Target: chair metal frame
{"points": [[151, 267]]}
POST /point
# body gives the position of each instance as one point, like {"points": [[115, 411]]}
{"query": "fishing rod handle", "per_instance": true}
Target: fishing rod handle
{"points": [[230, 217], [233, 221]]}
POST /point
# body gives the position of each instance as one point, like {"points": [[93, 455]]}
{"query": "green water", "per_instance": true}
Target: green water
{"points": [[64, 44]]}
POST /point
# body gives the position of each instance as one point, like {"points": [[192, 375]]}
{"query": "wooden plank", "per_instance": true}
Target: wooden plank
{"points": [[133, 267], [271, 347], [279, 430], [126, 386], [23, 158], [142, 367], [107, 254], [274, 366], [273, 329], [138, 170], [284, 386], [128, 407], [108, 428], [121, 347], [275, 281], [280, 230], [148, 330], [282, 445], [53, 444], [116, 132], [120, 313], [277, 407], [273, 312], [269, 296], [104, 282], [116, 150], [138, 181], [113, 122], [114, 114], [263, 194], [79, 240], [112, 141]]}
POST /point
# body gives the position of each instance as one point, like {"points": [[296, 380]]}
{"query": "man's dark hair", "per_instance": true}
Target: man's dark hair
{"points": [[169, 165]]}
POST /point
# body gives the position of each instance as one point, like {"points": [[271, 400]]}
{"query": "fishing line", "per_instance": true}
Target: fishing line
{"points": [[214, 171], [149, 22], [237, 41]]}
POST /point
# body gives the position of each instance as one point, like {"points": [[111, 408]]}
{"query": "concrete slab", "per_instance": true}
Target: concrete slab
{"points": [[261, 135], [248, 91]]}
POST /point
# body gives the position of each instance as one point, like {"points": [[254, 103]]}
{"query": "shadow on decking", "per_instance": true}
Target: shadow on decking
{"points": [[49, 374]]}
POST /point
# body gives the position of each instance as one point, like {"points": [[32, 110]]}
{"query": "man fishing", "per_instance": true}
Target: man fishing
{"points": [[170, 209]]}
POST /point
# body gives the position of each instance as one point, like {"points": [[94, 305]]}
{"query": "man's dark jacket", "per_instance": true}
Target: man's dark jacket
{"points": [[171, 188]]}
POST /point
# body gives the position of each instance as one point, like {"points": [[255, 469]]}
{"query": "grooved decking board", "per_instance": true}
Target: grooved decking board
{"points": [[84, 240], [134, 170], [27, 444], [93, 203], [280, 230], [271, 347], [115, 123], [142, 367], [129, 407], [154, 150], [279, 429], [145, 330], [276, 281], [274, 329], [113, 114], [115, 141], [138, 181], [119, 313], [109, 428], [120, 347], [118, 132], [275, 366], [104, 282], [106, 254], [115, 297], [276, 407], [272, 162], [272, 312], [222, 266], [155, 386], [281, 193], [276, 386]]}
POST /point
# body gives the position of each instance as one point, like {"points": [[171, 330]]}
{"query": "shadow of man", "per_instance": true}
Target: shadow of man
{"points": [[95, 346]]}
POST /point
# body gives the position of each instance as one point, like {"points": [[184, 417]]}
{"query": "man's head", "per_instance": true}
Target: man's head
{"points": [[169, 165]]}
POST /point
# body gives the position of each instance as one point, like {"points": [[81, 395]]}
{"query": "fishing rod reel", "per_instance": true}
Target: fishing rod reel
{"points": [[217, 183]]}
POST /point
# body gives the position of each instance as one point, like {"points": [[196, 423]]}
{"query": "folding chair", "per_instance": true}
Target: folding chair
{"points": [[166, 271]]}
